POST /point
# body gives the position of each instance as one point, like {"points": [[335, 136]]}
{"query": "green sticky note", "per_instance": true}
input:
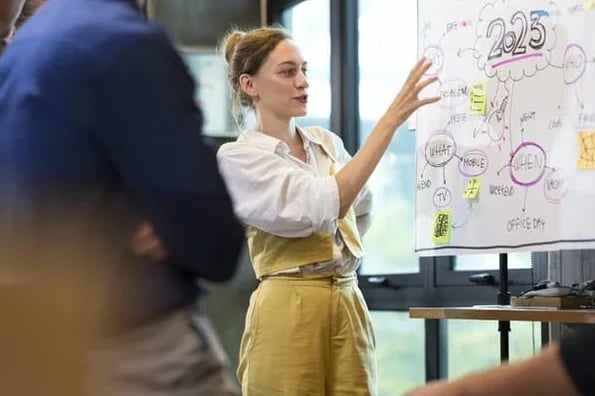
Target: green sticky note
{"points": [[441, 228], [589, 5], [478, 98], [472, 189]]}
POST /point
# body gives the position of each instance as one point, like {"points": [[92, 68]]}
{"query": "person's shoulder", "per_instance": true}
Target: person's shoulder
{"points": [[322, 135], [109, 31], [132, 37], [249, 145], [231, 148], [321, 132], [227, 147], [94, 31]]}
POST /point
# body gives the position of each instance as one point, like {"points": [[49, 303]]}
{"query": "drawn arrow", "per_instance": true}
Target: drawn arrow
{"points": [[462, 224]]}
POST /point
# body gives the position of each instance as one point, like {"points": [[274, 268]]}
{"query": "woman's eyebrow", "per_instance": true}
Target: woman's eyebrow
{"points": [[292, 63]]}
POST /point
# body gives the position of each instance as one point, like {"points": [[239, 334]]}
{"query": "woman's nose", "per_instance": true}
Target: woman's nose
{"points": [[302, 80]]}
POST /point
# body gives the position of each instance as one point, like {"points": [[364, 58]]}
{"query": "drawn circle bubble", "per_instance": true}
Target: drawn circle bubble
{"points": [[440, 149], [495, 125], [575, 63], [454, 92], [442, 197], [555, 186], [434, 54], [527, 164], [483, 128], [473, 163]]}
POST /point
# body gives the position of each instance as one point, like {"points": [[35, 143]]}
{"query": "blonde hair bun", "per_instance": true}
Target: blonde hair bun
{"points": [[230, 43]]}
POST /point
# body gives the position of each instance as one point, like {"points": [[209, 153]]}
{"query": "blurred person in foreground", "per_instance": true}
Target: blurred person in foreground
{"points": [[100, 133], [565, 369]]}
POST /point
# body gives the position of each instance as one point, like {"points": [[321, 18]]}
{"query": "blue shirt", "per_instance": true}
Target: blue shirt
{"points": [[99, 130]]}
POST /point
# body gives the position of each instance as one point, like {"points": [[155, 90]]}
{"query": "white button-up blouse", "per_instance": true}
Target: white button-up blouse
{"points": [[282, 195]]}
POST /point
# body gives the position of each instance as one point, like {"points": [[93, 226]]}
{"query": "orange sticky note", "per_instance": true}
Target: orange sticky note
{"points": [[586, 150]]}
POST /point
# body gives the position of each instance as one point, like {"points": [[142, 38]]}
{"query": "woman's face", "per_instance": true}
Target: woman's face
{"points": [[280, 86]]}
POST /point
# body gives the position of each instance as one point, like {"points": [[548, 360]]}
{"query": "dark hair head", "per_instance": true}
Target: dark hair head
{"points": [[244, 53]]}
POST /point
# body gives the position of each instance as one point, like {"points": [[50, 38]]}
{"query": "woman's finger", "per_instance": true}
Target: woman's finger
{"points": [[425, 83], [430, 100], [420, 69]]}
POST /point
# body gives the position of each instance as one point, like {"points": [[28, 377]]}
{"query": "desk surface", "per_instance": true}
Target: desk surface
{"points": [[506, 312]]}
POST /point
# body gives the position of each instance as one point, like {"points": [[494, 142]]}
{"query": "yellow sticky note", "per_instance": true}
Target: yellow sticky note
{"points": [[472, 189], [586, 150], [589, 5], [441, 227], [478, 98]]}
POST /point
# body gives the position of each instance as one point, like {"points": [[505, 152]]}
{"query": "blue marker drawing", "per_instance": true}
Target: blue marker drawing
{"points": [[542, 13]]}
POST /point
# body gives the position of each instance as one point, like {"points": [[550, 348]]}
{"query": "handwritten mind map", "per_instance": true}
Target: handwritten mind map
{"points": [[506, 160]]}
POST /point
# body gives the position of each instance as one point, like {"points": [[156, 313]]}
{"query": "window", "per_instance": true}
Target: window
{"points": [[400, 352], [491, 261], [474, 345], [309, 24], [385, 57]]}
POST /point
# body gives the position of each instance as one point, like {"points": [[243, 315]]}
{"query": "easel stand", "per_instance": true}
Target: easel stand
{"points": [[504, 299]]}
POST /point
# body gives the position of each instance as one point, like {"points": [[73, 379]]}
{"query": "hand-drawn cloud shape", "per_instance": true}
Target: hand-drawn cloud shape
{"points": [[513, 39]]}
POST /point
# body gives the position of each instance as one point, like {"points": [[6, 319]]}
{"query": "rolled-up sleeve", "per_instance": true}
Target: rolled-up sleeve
{"points": [[274, 195]]}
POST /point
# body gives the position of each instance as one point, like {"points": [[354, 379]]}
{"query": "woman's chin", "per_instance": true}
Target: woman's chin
{"points": [[301, 113]]}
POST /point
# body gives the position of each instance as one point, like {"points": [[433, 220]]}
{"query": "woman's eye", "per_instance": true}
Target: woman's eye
{"points": [[288, 72]]}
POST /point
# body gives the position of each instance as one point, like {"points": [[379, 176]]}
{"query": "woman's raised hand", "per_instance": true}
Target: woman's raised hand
{"points": [[352, 177], [407, 100]]}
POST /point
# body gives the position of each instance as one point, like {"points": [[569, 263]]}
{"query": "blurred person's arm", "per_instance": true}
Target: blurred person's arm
{"points": [[151, 128], [543, 375], [559, 370]]}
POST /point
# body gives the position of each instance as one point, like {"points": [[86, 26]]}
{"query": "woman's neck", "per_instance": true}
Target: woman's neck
{"points": [[285, 131], [281, 129]]}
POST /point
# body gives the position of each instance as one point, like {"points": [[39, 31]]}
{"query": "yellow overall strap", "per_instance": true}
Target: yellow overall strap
{"points": [[347, 225]]}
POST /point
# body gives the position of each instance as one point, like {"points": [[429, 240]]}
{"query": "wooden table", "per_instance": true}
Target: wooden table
{"points": [[506, 313]]}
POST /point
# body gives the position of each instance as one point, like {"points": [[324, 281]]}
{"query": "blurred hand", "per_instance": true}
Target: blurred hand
{"points": [[436, 388], [145, 242], [407, 100]]}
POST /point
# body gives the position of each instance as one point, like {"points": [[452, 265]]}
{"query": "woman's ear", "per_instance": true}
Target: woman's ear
{"points": [[247, 85]]}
